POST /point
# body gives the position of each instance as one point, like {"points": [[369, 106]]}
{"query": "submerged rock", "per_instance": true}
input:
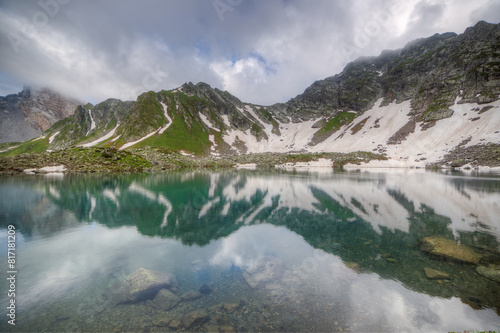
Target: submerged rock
{"points": [[141, 285], [191, 295], [195, 318], [492, 272], [436, 275], [205, 289], [449, 249], [265, 270], [166, 299], [353, 265], [162, 322], [231, 307]]}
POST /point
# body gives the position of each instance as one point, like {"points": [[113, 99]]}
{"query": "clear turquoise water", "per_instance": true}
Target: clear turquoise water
{"points": [[344, 246]]}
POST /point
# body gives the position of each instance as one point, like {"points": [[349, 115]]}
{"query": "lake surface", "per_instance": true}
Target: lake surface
{"points": [[282, 251]]}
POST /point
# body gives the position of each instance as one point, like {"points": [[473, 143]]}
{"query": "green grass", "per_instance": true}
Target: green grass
{"points": [[7, 145], [33, 146], [343, 118], [179, 137]]}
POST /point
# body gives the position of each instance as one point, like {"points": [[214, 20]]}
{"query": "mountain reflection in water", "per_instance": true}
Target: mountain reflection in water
{"points": [[348, 242]]}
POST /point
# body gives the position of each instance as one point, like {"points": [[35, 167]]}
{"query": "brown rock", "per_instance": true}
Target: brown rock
{"points": [[449, 249], [227, 329], [164, 322], [175, 324], [194, 318], [436, 275], [231, 307]]}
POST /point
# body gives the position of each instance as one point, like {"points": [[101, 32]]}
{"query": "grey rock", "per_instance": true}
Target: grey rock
{"points": [[191, 295], [205, 289], [141, 285], [492, 272], [166, 299], [265, 270]]}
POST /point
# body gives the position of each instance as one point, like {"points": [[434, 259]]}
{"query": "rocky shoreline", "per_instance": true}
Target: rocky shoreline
{"points": [[109, 160]]}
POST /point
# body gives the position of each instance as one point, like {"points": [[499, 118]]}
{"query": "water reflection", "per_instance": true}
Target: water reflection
{"points": [[346, 244]]}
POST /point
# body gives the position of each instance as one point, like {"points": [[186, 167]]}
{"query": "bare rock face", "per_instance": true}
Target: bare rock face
{"points": [[31, 112]]}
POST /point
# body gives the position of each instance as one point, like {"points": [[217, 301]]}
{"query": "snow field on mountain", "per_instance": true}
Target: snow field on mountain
{"points": [[419, 148]]}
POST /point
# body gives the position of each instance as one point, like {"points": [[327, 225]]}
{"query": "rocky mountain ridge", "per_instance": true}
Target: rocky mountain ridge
{"points": [[436, 97], [31, 112]]}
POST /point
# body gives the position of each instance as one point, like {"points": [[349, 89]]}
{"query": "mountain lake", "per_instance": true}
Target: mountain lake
{"points": [[246, 251]]}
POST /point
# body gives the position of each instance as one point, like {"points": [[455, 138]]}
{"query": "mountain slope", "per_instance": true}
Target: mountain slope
{"points": [[435, 98], [28, 114]]}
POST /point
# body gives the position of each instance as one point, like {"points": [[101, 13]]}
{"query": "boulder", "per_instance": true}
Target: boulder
{"points": [[166, 299], [191, 295], [449, 249], [263, 271], [436, 275], [492, 272], [205, 289], [141, 285], [194, 318]]}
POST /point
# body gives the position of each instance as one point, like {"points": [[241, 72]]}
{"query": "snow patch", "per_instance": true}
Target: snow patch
{"points": [[57, 169], [101, 139], [92, 124], [321, 163], [51, 138], [166, 116], [207, 122], [246, 166], [130, 144]]}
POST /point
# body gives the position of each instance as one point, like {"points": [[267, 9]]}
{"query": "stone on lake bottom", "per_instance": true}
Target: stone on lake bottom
{"points": [[194, 318], [231, 307], [175, 324], [227, 329], [166, 299], [191, 295], [449, 249], [141, 285], [436, 275], [492, 272], [264, 271], [212, 329], [162, 322], [205, 289]]}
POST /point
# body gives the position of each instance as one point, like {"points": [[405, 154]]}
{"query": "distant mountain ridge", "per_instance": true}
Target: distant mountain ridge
{"points": [[435, 97], [34, 110]]}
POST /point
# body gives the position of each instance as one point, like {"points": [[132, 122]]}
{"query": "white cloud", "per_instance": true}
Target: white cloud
{"points": [[263, 51]]}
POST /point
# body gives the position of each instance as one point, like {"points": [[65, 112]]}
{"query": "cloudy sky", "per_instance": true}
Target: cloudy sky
{"points": [[262, 51]]}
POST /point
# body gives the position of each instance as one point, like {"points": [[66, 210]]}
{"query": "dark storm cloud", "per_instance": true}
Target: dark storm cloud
{"points": [[263, 51]]}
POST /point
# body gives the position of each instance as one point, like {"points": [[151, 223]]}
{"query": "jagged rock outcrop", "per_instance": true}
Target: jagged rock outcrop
{"points": [[432, 72], [29, 113]]}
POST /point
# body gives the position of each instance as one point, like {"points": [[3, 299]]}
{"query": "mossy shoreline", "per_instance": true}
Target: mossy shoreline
{"points": [[111, 160]]}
